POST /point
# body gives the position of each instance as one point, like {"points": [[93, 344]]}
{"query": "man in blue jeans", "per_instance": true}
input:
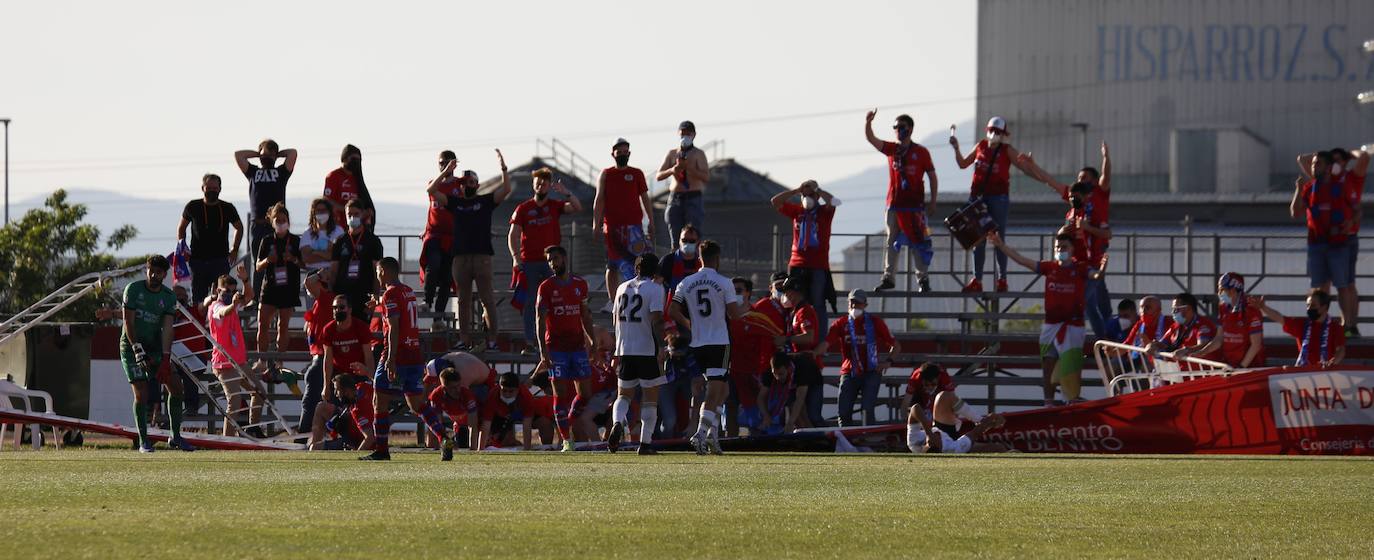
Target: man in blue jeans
{"points": [[690, 171], [992, 160], [867, 347]]}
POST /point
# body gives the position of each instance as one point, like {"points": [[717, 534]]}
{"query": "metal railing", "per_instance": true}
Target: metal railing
{"points": [[565, 159], [1126, 369]]}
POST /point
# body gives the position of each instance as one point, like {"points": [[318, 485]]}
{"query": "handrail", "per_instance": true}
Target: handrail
{"points": [[1125, 368]]}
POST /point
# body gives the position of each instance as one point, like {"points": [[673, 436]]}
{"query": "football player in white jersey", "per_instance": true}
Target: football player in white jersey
{"points": [[706, 302], [638, 313]]}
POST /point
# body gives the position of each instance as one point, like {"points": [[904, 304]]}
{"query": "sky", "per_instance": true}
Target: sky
{"points": [[144, 100]]}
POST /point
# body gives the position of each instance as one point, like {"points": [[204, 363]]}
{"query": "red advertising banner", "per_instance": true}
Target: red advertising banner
{"points": [[1297, 411]]}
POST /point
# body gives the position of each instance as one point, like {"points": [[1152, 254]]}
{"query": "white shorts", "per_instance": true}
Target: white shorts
{"points": [[1051, 346], [916, 441]]}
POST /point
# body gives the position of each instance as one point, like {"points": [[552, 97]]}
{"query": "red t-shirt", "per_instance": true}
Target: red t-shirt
{"points": [[339, 188], [317, 318], [1148, 329], [538, 227], [838, 338], [991, 177], [913, 163], [362, 408], [399, 303], [439, 224], [1327, 211], [348, 345], [1354, 193], [623, 190], [1236, 328], [750, 348], [1310, 343], [457, 408], [811, 229], [1064, 291], [603, 377], [918, 392], [1096, 207], [495, 407], [1200, 331], [804, 321], [561, 302]]}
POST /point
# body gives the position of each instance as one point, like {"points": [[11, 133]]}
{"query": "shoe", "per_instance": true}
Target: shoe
{"points": [[699, 444], [568, 446], [376, 456], [528, 351], [1352, 332], [446, 450], [923, 285], [1001, 284], [255, 432], [713, 446], [647, 450], [974, 286], [178, 443], [146, 448], [613, 439], [885, 284], [492, 346]]}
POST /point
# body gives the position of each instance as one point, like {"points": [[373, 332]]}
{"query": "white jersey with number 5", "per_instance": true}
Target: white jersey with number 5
{"points": [[704, 295], [634, 300]]}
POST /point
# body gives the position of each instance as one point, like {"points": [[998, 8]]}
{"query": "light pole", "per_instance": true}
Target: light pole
{"points": [[7, 169]]}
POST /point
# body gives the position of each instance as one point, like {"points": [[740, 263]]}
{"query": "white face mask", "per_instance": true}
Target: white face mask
{"points": [[1124, 322], [355, 221], [687, 141], [994, 138], [1335, 169], [507, 400], [856, 313], [321, 218], [809, 202], [787, 302], [283, 228], [1063, 257], [689, 249]]}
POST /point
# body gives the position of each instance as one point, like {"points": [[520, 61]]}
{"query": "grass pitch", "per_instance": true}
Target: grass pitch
{"points": [[116, 503]]}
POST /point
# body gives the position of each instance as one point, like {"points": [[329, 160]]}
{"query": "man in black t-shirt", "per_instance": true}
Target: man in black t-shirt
{"points": [[210, 219], [472, 249], [354, 255], [266, 188]]}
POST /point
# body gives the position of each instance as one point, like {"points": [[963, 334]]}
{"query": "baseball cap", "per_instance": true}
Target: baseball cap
{"points": [[998, 125], [687, 125], [858, 296], [620, 142]]}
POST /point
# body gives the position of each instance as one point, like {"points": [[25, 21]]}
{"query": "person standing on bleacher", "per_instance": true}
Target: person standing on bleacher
{"points": [[992, 160], [867, 347], [811, 242]]}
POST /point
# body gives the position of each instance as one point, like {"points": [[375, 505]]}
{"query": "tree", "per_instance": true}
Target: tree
{"points": [[49, 247]]}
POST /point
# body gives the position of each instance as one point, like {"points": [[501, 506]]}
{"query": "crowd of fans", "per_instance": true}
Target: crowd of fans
{"points": [[697, 354]]}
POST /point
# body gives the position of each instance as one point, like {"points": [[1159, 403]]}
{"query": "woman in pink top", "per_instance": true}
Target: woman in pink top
{"points": [[230, 349]]}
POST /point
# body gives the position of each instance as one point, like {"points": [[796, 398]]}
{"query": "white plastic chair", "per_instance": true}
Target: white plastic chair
{"points": [[10, 392]]}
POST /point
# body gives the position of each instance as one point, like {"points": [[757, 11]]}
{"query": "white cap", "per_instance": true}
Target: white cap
{"points": [[998, 125]]}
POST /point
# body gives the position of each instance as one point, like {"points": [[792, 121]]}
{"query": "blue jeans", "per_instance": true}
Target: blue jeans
{"points": [[1327, 264], [314, 385], [1099, 306], [998, 207], [535, 274], [850, 386], [683, 210], [667, 404]]}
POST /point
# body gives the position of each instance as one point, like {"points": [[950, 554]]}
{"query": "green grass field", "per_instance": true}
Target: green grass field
{"points": [[116, 503]]}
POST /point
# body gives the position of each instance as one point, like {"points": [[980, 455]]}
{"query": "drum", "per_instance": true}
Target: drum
{"points": [[970, 224]]}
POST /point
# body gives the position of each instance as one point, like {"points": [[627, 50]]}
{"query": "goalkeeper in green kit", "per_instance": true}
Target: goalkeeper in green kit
{"points": [[145, 349]]}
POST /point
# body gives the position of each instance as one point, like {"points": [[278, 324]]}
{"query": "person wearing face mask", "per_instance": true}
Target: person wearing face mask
{"points": [[683, 261], [317, 317], [800, 340], [352, 258], [345, 341], [210, 219], [533, 228], [992, 160], [908, 164], [1119, 325], [472, 251], [1061, 336], [266, 188], [502, 410], [346, 184], [319, 235], [1240, 326], [436, 251], [1324, 198], [1152, 324], [279, 267], [867, 348], [1089, 201], [1321, 340], [1349, 167], [1189, 334], [689, 170], [622, 202], [231, 351], [810, 259]]}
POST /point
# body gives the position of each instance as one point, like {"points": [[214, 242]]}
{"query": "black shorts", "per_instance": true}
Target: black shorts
{"points": [[806, 372], [640, 371], [714, 360], [280, 297]]}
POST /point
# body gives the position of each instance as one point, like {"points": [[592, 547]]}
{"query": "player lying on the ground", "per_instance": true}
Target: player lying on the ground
{"points": [[347, 416], [922, 437]]}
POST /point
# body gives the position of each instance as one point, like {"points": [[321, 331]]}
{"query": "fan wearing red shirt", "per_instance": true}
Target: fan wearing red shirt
{"points": [[800, 342], [1349, 168], [1190, 333], [867, 347], [1321, 341], [345, 342], [1324, 203], [1061, 337], [918, 395], [317, 317], [586, 426], [352, 420], [810, 240], [566, 322], [1240, 326], [992, 160], [512, 404], [908, 163], [533, 228], [454, 399], [346, 183], [436, 254], [622, 202]]}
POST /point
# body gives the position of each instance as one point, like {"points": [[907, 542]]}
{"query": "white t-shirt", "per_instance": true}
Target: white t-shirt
{"points": [[320, 243], [704, 295], [634, 300]]}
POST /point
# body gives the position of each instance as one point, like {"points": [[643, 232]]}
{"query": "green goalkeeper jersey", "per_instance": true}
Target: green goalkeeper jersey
{"points": [[149, 308]]}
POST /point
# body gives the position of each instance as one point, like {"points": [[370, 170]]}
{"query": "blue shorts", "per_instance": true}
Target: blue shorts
{"points": [[409, 380], [570, 366], [1327, 264]]}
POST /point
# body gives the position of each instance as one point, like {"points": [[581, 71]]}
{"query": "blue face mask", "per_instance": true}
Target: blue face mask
{"points": [[1063, 256], [1178, 317], [1226, 300]]}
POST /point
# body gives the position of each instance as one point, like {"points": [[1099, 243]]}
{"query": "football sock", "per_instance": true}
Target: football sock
{"points": [[648, 418], [382, 429], [621, 410], [141, 421], [430, 414], [707, 423], [174, 413]]}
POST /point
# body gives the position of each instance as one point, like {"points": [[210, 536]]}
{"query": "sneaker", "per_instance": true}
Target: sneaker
{"points": [[446, 452], [713, 446], [178, 443], [613, 439], [376, 456], [1352, 331], [699, 444], [923, 285], [255, 432], [647, 450], [885, 284], [568, 446], [146, 448], [1001, 284], [974, 286]]}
